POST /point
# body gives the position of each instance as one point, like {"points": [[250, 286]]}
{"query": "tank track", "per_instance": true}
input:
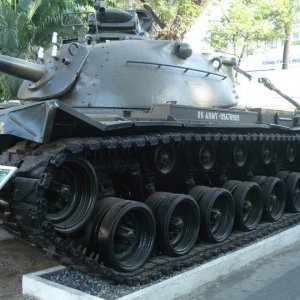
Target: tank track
{"points": [[25, 215]]}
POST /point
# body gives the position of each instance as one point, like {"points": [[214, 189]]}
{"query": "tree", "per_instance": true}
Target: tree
{"points": [[243, 24], [178, 16], [288, 15], [174, 17]]}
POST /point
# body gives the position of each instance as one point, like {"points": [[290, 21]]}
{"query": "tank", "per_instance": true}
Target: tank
{"points": [[124, 152]]}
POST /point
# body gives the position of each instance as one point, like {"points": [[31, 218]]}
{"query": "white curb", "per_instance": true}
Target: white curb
{"points": [[34, 285], [176, 286]]}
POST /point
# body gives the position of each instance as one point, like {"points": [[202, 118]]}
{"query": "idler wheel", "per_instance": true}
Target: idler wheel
{"points": [[240, 154], [292, 185], [248, 203], [177, 220], [72, 194], [217, 212], [274, 196], [207, 155], [164, 158], [123, 232], [291, 152], [266, 152]]}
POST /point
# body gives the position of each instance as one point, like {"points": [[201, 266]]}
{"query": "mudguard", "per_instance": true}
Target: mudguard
{"points": [[40, 122]]}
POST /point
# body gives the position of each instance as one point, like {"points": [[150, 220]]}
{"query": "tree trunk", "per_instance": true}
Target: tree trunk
{"points": [[286, 48]]}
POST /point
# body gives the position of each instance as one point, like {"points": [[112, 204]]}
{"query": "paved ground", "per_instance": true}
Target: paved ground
{"points": [[272, 278], [16, 259]]}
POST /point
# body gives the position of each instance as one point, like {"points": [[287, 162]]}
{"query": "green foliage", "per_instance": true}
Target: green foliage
{"points": [[178, 16], [15, 32], [243, 24], [5, 92], [287, 15], [246, 23], [8, 86]]}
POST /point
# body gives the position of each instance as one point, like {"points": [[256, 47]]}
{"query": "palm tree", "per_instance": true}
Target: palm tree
{"points": [[13, 32]]}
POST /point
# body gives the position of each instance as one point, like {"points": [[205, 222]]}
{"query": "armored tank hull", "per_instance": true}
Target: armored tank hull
{"points": [[129, 153]]}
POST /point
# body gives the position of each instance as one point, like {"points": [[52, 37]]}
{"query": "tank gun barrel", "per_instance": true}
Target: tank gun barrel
{"points": [[268, 84], [21, 68]]}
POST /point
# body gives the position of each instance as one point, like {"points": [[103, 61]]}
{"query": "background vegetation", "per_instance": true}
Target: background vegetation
{"points": [[246, 23], [24, 24]]}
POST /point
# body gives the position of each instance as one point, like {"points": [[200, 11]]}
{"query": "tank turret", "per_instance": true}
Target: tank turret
{"points": [[123, 73], [117, 65]]}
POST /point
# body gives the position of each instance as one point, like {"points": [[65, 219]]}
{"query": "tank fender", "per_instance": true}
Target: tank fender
{"points": [[38, 122]]}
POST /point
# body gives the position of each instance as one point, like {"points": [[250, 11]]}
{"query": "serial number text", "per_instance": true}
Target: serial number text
{"points": [[218, 116]]}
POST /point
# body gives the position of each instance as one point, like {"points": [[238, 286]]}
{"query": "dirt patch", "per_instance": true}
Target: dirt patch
{"points": [[16, 259]]}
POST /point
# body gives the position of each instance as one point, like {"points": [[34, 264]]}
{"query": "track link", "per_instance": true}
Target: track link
{"points": [[26, 216]]}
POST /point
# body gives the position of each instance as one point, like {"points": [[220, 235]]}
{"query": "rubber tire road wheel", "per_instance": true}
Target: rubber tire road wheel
{"points": [[259, 179], [90, 237], [141, 218], [154, 200], [175, 207], [225, 199], [292, 185], [197, 192], [283, 175], [231, 185], [250, 191], [270, 213]]}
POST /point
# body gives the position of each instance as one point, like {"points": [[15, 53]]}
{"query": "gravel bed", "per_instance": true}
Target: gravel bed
{"points": [[92, 285], [107, 289]]}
